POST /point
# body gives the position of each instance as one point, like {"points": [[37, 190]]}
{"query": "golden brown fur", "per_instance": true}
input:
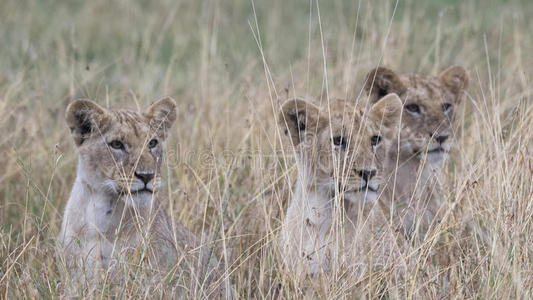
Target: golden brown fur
{"points": [[337, 148], [426, 136], [113, 214]]}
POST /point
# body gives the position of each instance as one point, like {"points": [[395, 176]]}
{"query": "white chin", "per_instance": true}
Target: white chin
{"points": [[361, 197], [142, 199], [436, 157]]}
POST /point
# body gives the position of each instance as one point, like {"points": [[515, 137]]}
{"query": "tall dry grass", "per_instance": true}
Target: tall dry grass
{"points": [[229, 65]]}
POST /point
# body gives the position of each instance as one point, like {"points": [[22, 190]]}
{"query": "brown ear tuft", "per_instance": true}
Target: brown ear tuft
{"points": [[84, 118], [162, 115], [298, 116], [381, 81], [455, 78]]}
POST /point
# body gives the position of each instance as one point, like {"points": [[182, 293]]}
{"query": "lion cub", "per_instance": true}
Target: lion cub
{"points": [[340, 154], [113, 213], [426, 135]]}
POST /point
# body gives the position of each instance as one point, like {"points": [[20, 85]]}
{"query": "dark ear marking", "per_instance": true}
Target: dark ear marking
{"points": [[83, 118], [381, 81], [296, 116], [298, 120], [381, 93], [84, 125]]}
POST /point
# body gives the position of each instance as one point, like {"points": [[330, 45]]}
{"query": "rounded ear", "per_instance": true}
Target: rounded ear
{"points": [[161, 114], [388, 110], [455, 78], [84, 118], [298, 116], [381, 81]]}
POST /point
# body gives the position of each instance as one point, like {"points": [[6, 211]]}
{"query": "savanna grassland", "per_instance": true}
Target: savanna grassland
{"points": [[229, 170]]}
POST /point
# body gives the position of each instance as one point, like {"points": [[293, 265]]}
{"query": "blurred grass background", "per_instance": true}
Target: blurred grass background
{"points": [[228, 64]]}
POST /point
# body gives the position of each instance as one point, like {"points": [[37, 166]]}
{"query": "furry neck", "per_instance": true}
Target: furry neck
{"points": [[410, 174], [308, 189]]}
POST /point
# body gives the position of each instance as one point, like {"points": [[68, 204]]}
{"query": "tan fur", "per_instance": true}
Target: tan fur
{"points": [[425, 140], [330, 186], [110, 217]]}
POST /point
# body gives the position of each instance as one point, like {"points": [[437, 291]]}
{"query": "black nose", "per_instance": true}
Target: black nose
{"points": [[441, 138], [145, 176], [367, 174]]}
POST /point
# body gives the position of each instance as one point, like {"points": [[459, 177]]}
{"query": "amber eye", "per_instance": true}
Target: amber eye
{"points": [[414, 108], [152, 143], [446, 106], [117, 145], [340, 141], [375, 140]]}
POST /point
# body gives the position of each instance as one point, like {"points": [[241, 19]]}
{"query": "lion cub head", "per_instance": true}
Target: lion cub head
{"points": [[340, 147], [429, 107], [120, 151]]}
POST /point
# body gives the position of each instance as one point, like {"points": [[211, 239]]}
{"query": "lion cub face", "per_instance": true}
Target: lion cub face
{"points": [[429, 107], [120, 151], [342, 147]]}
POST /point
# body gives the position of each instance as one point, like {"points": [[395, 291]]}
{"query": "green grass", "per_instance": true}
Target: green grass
{"points": [[208, 55]]}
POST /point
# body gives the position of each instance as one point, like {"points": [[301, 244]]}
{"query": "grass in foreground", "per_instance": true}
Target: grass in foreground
{"points": [[229, 68]]}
